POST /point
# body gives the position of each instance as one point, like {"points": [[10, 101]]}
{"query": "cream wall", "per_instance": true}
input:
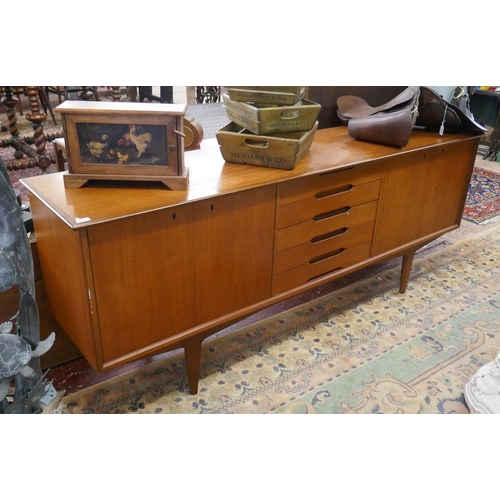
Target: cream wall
{"points": [[446, 92]]}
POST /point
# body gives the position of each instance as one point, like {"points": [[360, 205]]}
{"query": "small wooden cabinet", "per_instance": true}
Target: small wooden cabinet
{"points": [[131, 272]]}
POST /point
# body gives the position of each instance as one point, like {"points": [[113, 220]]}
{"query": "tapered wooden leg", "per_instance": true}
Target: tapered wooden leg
{"points": [[405, 270], [192, 351]]}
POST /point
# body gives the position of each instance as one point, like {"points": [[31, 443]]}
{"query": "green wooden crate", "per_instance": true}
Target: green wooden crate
{"points": [[262, 118], [284, 151], [268, 95]]}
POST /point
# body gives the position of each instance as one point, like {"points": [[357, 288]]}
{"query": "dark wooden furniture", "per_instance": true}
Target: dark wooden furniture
{"points": [[130, 272], [485, 105], [166, 94], [33, 148]]}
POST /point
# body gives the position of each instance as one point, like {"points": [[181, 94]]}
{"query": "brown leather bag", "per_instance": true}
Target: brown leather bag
{"points": [[392, 128], [390, 124], [351, 106]]}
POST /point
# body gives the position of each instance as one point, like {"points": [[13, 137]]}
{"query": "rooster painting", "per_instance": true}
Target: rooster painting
{"points": [[98, 149], [138, 144], [142, 142], [125, 141]]}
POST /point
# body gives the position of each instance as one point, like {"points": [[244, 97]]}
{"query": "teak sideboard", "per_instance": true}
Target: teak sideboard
{"points": [[136, 270]]}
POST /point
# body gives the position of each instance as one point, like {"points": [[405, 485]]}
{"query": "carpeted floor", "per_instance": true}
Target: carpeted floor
{"points": [[483, 199], [365, 349]]}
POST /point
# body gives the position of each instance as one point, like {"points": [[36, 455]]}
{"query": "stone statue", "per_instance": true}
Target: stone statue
{"points": [[19, 354]]}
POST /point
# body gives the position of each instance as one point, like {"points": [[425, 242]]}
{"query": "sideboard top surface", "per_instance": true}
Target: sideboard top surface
{"points": [[209, 176]]}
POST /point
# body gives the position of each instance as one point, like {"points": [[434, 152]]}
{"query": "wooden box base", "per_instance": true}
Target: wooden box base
{"points": [[173, 182]]}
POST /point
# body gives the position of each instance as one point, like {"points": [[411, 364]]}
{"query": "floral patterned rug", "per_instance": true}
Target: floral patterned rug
{"points": [[483, 198], [364, 349]]}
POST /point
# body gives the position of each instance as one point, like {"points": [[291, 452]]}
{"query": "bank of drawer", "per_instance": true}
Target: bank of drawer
{"points": [[320, 247], [307, 272], [302, 188], [319, 207], [314, 229]]}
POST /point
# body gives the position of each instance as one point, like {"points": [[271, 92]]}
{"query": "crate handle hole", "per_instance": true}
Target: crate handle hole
{"points": [[256, 144], [289, 114]]}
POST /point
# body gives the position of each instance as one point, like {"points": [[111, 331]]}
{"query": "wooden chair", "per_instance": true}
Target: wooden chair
{"points": [[43, 96], [60, 154]]}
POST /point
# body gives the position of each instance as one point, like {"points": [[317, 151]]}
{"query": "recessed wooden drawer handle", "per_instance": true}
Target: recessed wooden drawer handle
{"points": [[324, 274], [336, 171], [327, 236], [334, 191], [333, 213], [333, 253]]}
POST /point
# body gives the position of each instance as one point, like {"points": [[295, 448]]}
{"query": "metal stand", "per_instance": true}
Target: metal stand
{"points": [[207, 94]]}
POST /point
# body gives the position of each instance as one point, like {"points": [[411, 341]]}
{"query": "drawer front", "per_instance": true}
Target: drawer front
{"points": [[342, 258], [319, 247], [301, 189], [326, 204], [315, 229]]}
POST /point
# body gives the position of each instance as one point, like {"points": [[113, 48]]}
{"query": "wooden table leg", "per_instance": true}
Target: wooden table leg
{"points": [[37, 117], [10, 101], [87, 93], [406, 269], [115, 94], [36, 156], [192, 351]]}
